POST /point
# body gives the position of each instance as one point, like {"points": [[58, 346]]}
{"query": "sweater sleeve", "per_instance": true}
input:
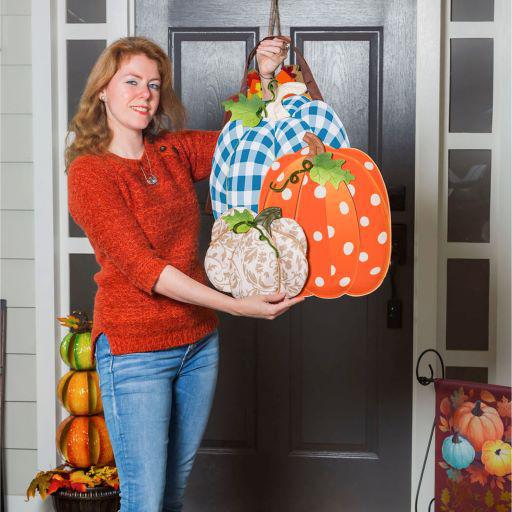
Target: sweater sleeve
{"points": [[198, 146], [96, 204]]}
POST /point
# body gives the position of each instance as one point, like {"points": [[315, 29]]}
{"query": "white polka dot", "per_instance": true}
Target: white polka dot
{"points": [[364, 221], [375, 199], [286, 194], [333, 270], [330, 231], [344, 208], [348, 247], [280, 177], [363, 256], [317, 236], [382, 237], [319, 281], [320, 192], [305, 180], [276, 166], [352, 189], [368, 165], [344, 281], [304, 151], [374, 271]]}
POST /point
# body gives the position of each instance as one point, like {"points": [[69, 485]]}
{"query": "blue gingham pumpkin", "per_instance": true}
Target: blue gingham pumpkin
{"points": [[243, 155]]}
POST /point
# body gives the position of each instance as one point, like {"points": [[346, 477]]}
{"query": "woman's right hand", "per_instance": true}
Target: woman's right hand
{"points": [[266, 307]]}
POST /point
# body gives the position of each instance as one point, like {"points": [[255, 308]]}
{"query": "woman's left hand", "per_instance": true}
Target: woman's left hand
{"points": [[271, 53]]}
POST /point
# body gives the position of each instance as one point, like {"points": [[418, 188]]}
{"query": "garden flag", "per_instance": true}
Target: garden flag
{"points": [[472, 461]]}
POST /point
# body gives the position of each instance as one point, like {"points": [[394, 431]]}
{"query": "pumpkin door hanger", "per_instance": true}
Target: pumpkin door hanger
{"points": [[339, 199]]}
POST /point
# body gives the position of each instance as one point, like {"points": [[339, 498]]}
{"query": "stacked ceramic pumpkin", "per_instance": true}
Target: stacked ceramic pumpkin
{"points": [[82, 438]]}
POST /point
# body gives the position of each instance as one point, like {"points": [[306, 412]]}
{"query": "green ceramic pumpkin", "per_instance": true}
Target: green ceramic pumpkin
{"points": [[458, 451], [76, 347]]}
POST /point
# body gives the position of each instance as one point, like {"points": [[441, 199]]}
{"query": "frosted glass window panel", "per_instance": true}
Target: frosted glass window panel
{"points": [[86, 11], [81, 57], [469, 195], [82, 287], [472, 10], [467, 304], [471, 81]]}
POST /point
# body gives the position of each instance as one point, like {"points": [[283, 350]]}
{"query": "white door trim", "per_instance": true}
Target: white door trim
{"points": [[428, 80]]}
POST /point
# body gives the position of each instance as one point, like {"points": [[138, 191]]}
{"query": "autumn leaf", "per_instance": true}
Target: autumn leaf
{"points": [[505, 496], [79, 477], [239, 217], [325, 169], [489, 498], [445, 496], [247, 111], [502, 508], [500, 483], [477, 475], [443, 427], [486, 396], [504, 408], [78, 487], [443, 465], [458, 397], [56, 484], [446, 406]]}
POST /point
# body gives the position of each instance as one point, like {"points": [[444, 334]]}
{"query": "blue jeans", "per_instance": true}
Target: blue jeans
{"points": [[156, 407]]}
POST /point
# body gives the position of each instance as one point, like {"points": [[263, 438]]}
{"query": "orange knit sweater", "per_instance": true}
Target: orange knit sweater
{"points": [[136, 229]]}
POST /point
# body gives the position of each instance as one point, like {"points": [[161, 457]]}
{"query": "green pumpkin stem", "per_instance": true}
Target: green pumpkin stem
{"points": [[455, 438], [477, 410], [307, 165], [264, 219]]}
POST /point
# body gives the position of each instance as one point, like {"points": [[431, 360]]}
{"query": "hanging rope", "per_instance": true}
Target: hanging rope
{"points": [[274, 21]]}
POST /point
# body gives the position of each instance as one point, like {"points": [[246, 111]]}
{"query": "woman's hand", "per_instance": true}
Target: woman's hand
{"points": [[270, 54], [266, 307]]}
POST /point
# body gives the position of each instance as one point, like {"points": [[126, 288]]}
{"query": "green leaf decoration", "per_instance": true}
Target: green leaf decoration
{"points": [[247, 111], [325, 169], [239, 217]]}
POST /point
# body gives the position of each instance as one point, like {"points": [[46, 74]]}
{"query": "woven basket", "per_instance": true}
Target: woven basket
{"points": [[97, 499]]}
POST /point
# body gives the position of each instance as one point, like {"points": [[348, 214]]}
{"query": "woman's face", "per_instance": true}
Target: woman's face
{"points": [[132, 95]]}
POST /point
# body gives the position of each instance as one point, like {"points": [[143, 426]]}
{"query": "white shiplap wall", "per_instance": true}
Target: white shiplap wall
{"points": [[17, 244]]}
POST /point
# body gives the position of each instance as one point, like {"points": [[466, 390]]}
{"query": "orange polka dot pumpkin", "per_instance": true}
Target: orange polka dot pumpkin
{"points": [[339, 199]]}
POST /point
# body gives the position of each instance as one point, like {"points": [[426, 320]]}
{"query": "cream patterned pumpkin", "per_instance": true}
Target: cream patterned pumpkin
{"points": [[251, 255]]}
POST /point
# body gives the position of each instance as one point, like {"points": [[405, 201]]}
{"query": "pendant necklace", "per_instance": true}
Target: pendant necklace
{"points": [[151, 179]]}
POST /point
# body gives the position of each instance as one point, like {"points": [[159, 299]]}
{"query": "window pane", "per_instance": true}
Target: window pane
{"points": [[82, 287], [471, 78], [81, 56], [472, 10], [469, 195], [472, 373], [86, 11], [467, 304]]}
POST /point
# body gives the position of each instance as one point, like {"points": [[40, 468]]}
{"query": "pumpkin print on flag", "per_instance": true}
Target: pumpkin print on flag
{"points": [[473, 468], [339, 199]]}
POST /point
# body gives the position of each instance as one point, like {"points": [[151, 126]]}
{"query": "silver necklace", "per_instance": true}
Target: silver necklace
{"points": [[151, 179]]}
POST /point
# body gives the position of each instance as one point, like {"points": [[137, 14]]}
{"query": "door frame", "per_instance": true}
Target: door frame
{"points": [[49, 98]]}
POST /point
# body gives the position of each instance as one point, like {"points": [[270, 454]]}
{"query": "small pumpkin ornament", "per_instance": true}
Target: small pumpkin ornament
{"points": [[79, 392], [83, 441], [496, 457], [76, 347], [251, 255], [478, 422], [339, 198], [458, 451]]}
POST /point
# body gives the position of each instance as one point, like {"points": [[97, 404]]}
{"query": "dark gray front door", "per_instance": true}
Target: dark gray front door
{"points": [[313, 410]]}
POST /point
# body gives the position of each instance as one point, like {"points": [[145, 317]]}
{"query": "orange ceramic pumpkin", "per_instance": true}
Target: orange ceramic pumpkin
{"points": [[496, 457], [79, 392], [339, 199], [83, 441], [478, 422]]}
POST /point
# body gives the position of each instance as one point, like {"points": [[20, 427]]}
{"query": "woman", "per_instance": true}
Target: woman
{"points": [[131, 189]]}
